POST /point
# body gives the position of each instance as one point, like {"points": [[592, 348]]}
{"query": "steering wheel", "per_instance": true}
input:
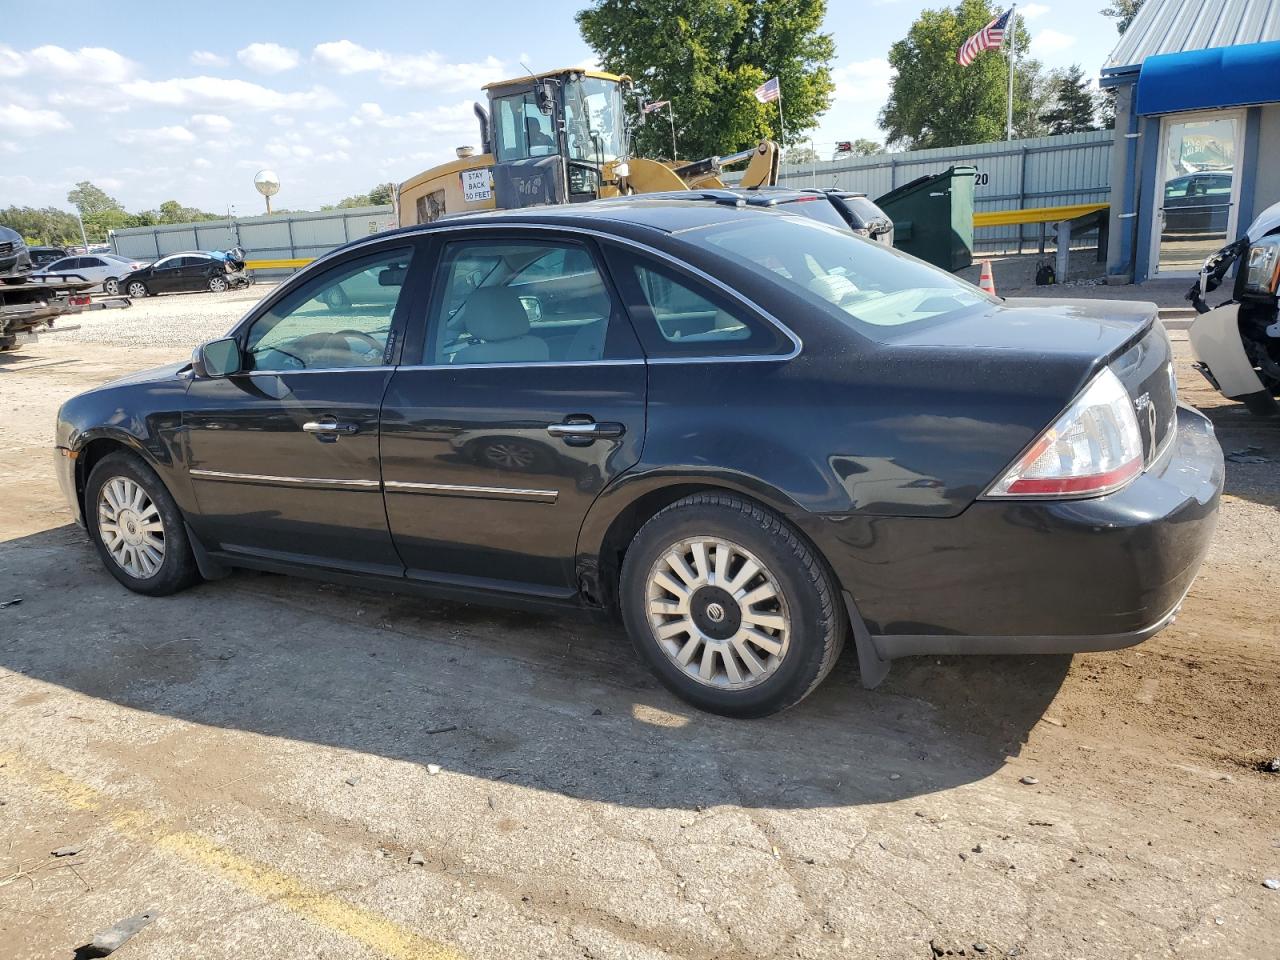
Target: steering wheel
{"points": [[330, 342]]}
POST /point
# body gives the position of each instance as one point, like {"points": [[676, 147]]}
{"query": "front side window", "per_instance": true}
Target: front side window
{"points": [[868, 286], [523, 130], [511, 301], [339, 319]]}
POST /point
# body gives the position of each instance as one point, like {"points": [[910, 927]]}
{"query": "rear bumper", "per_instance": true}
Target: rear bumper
{"points": [[1037, 576]]}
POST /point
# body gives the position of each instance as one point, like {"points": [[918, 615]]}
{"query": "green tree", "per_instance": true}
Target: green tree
{"points": [[1123, 12], [707, 57], [378, 196], [935, 102], [46, 226], [801, 154], [862, 147], [1072, 107], [99, 211]]}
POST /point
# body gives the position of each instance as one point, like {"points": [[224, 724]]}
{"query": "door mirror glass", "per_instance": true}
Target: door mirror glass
{"points": [[221, 358]]}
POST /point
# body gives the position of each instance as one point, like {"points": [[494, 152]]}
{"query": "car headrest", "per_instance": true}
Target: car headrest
{"points": [[495, 313]]}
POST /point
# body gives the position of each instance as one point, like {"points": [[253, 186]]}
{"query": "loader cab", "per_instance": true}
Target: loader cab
{"points": [[557, 137]]}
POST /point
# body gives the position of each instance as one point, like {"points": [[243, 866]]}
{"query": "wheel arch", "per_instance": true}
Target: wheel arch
{"points": [[618, 514], [100, 445]]}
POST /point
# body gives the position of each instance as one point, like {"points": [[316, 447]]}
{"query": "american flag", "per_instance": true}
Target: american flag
{"points": [[990, 37], [655, 105], [768, 91]]}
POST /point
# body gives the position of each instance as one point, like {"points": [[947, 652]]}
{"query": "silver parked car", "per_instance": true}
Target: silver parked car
{"points": [[102, 269]]}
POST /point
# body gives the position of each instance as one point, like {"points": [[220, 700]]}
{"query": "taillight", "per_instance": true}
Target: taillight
{"points": [[1095, 447]]}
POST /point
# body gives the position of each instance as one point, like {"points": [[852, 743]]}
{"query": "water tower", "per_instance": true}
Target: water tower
{"points": [[268, 184]]}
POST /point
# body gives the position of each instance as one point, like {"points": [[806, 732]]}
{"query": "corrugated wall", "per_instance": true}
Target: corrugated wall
{"points": [[1043, 172], [282, 236]]}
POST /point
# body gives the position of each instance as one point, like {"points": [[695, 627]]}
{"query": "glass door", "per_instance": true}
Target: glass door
{"points": [[1197, 190]]}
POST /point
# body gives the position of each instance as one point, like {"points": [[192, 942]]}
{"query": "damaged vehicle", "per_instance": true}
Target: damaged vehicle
{"points": [[745, 434], [1237, 344]]}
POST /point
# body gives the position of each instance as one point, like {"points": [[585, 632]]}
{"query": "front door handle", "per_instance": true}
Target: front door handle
{"points": [[585, 431], [330, 427]]}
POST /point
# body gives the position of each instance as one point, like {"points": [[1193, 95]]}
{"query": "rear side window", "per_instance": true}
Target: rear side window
{"points": [[678, 315]]}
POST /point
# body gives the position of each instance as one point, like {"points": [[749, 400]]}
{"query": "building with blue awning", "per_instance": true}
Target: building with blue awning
{"points": [[1197, 148]]}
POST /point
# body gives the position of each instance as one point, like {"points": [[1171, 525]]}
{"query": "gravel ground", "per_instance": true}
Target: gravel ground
{"points": [[179, 320]]}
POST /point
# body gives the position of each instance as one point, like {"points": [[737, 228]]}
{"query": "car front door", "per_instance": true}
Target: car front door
{"points": [[283, 457], [164, 275], [516, 405]]}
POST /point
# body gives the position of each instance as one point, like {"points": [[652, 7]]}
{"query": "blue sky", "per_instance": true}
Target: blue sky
{"points": [[336, 97]]}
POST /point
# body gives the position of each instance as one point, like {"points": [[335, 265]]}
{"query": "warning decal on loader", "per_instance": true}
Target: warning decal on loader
{"points": [[475, 185]]}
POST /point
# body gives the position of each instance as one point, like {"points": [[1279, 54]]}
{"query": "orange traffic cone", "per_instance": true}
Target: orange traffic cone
{"points": [[986, 281]]}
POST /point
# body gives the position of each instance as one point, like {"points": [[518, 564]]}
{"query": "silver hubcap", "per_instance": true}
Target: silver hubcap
{"points": [[111, 286], [217, 284], [718, 613], [131, 528], [137, 290]]}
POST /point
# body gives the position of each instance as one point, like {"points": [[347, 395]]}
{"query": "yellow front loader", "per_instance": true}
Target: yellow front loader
{"points": [[560, 137]]}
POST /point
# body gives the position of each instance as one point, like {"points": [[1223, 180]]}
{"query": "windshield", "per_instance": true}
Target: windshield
{"points": [[865, 284], [593, 119]]}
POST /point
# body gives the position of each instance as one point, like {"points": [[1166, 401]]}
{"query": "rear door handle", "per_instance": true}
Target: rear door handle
{"points": [[586, 431], [330, 427]]}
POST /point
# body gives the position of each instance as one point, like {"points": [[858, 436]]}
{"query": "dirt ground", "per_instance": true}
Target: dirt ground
{"points": [[277, 768]]}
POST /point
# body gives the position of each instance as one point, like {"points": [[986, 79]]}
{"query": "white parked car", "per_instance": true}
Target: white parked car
{"points": [[102, 269]]}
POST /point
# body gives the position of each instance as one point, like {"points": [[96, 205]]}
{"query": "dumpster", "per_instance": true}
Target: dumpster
{"points": [[933, 217]]}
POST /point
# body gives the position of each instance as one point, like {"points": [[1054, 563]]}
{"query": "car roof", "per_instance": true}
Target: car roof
{"points": [[660, 213]]}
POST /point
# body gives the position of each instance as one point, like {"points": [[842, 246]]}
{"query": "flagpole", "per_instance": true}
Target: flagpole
{"points": [[1013, 48], [781, 126], [672, 118]]}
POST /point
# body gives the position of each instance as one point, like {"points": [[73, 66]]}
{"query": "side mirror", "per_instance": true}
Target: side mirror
{"points": [[217, 358], [546, 95]]}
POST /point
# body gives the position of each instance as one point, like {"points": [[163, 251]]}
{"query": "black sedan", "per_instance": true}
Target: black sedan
{"points": [[747, 434], [188, 271]]}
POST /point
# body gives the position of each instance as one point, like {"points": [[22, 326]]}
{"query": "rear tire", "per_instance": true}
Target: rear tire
{"points": [[687, 588], [137, 527], [218, 284], [111, 286]]}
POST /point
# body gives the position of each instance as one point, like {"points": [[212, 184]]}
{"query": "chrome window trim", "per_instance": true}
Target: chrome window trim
{"points": [[275, 481], [290, 373], [471, 490], [796, 343]]}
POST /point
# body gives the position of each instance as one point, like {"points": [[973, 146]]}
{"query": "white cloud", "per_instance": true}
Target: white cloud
{"points": [[207, 58], [428, 70], [219, 92], [448, 118], [211, 123], [158, 137], [97, 64], [864, 81], [279, 150], [202, 163], [1049, 41], [268, 57], [1033, 10], [26, 122]]}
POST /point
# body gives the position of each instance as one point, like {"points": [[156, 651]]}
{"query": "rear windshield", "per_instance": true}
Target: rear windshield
{"points": [[868, 286], [816, 208]]}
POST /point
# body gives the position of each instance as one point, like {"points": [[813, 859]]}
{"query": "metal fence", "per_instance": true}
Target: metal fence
{"points": [[1012, 175], [281, 236]]}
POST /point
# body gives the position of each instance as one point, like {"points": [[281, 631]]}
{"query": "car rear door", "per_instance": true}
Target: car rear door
{"points": [[519, 400], [283, 458]]}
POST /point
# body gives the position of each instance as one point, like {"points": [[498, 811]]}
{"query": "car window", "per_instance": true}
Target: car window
{"points": [[166, 263], [512, 301], [816, 208], [341, 318], [66, 263], [865, 284], [680, 316], [1218, 185], [1176, 188], [92, 262]]}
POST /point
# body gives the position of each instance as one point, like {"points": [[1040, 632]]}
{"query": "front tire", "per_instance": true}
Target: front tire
{"points": [[137, 289], [730, 607], [137, 527]]}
